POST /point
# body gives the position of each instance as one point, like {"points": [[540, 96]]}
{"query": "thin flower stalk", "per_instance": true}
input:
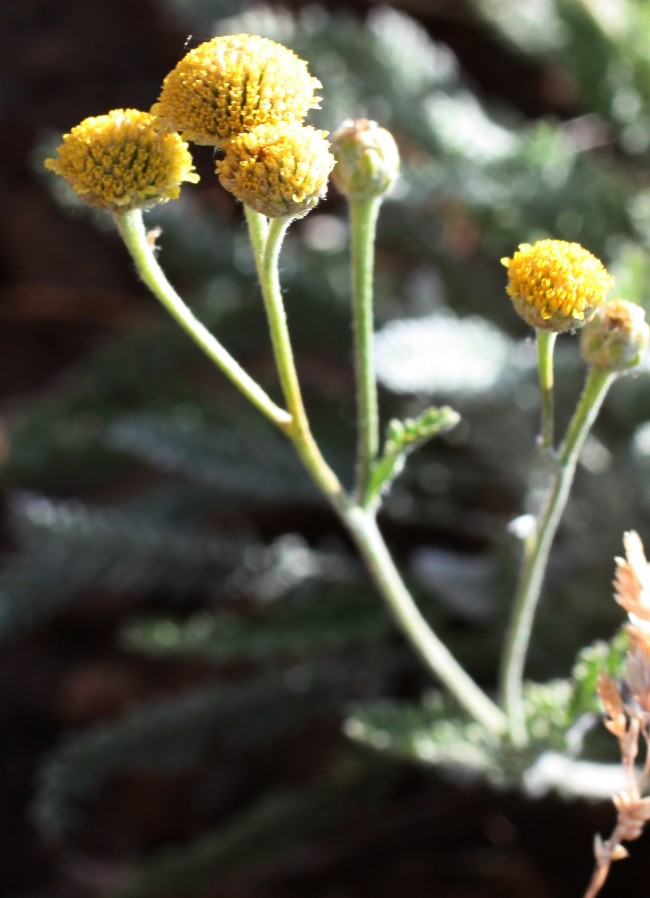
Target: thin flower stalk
{"points": [[363, 221], [536, 559], [545, 346], [367, 166], [299, 430], [132, 230], [258, 230]]}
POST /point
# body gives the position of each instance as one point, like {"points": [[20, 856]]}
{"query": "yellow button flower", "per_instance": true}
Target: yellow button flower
{"points": [[556, 285], [123, 160], [280, 171], [233, 83]]}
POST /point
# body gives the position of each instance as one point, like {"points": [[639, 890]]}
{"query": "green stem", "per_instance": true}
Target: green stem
{"points": [[258, 230], [360, 522], [132, 230], [363, 222], [535, 562], [299, 431], [545, 346], [432, 651]]}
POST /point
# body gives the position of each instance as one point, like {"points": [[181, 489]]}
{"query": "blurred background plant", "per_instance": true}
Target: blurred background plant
{"points": [[210, 689]]}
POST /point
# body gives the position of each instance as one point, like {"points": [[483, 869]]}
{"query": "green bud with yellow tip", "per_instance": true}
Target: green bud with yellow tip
{"points": [[367, 159]]}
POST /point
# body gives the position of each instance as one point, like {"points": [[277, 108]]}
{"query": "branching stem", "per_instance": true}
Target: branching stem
{"points": [[360, 522], [266, 240], [536, 559], [132, 230]]}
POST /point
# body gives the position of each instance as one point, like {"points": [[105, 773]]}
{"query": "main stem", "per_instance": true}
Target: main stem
{"points": [[431, 650], [359, 522], [535, 561], [132, 230], [363, 222], [266, 241]]}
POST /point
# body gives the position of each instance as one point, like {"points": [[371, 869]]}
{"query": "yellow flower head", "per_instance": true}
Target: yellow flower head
{"points": [[556, 285], [122, 161], [278, 171], [233, 83]]}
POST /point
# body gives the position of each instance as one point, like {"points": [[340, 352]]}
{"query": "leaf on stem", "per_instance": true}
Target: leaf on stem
{"points": [[403, 437], [598, 658]]}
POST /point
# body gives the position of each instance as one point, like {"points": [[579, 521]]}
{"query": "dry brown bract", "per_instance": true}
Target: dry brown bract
{"points": [[627, 711]]}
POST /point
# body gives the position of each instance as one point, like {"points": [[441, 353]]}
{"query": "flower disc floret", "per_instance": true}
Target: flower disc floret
{"points": [[556, 285], [233, 83], [122, 161], [278, 171]]}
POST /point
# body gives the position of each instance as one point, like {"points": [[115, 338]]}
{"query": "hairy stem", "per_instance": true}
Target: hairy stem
{"points": [[359, 522], [535, 561], [258, 231], [363, 222], [299, 431], [431, 650], [132, 230], [545, 346]]}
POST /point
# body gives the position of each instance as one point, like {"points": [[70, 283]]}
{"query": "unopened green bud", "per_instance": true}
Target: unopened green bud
{"points": [[616, 337], [367, 159]]}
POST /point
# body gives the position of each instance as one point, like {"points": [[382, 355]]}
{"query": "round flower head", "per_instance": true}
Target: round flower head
{"points": [[122, 161], [278, 171], [617, 336], [233, 83], [556, 285], [367, 159]]}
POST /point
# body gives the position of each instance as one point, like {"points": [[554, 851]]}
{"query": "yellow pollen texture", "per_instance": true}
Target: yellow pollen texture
{"points": [[232, 84], [123, 160], [278, 170], [556, 285]]}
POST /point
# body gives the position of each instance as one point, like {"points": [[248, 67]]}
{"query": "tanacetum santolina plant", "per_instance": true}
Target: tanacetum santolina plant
{"points": [[121, 161], [233, 83], [248, 96], [556, 285], [278, 170]]}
